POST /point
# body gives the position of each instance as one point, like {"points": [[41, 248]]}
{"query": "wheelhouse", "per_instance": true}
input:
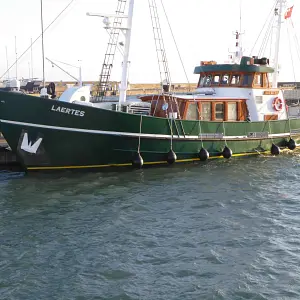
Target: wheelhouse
{"points": [[244, 75]]}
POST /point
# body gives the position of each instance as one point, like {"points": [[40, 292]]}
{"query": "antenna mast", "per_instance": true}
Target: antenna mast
{"points": [[31, 61], [7, 63], [237, 55], [277, 44], [16, 57]]}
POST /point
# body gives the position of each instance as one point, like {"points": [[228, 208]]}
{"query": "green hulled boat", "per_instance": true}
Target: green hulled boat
{"points": [[233, 112]]}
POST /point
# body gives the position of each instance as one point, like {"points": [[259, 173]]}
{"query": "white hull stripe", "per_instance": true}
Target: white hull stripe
{"points": [[205, 136]]}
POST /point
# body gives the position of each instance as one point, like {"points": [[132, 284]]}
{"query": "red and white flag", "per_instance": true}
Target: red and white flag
{"points": [[288, 12]]}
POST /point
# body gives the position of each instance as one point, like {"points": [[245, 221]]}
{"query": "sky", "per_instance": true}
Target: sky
{"points": [[203, 30]]}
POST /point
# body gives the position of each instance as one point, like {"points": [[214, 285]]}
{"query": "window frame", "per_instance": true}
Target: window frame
{"points": [[215, 111]]}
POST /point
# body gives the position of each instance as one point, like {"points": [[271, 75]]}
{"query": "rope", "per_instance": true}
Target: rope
{"points": [[200, 133], [139, 146], [175, 44], [38, 37], [272, 10], [270, 131], [266, 38], [290, 48], [296, 40], [224, 133], [290, 127]]}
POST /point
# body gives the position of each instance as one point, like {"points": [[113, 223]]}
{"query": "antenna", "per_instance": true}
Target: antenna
{"points": [[16, 57], [240, 16], [43, 54], [31, 62], [7, 63]]}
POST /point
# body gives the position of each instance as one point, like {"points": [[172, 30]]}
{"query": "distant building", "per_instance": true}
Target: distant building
{"points": [[291, 91]]}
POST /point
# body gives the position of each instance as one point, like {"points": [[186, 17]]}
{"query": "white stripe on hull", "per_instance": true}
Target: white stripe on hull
{"points": [[204, 136]]}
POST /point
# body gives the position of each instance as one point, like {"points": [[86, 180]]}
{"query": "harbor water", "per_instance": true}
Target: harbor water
{"points": [[216, 230]]}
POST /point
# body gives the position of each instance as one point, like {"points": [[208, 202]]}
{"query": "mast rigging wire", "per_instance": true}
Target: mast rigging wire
{"points": [[272, 11], [39, 37], [175, 42]]}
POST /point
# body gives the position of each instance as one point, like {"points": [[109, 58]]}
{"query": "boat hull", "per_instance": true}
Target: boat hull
{"points": [[51, 135]]}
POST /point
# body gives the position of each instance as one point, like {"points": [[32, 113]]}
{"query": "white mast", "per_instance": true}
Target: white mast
{"points": [[43, 53], [277, 44], [124, 80], [127, 32]]}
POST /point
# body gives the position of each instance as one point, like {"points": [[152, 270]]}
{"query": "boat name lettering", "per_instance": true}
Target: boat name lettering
{"points": [[69, 111], [258, 134]]}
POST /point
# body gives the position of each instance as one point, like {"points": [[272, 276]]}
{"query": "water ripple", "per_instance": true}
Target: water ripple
{"points": [[220, 230]]}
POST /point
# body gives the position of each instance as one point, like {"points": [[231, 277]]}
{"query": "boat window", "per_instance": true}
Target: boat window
{"points": [[235, 79], [219, 111], [201, 80], [232, 111], [216, 80], [207, 81], [266, 80], [225, 79], [192, 111], [247, 80], [206, 111], [258, 80]]}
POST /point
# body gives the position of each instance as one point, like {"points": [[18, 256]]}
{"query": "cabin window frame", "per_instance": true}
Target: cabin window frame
{"points": [[240, 79], [213, 77], [229, 79], [241, 110], [261, 83], [214, 111], [236, 109], [205, 84], [200, 109], [249, 84], [266, 82], [188, 103]]}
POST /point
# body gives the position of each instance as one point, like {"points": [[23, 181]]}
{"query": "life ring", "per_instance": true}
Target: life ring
{"points": [[277, 104]]}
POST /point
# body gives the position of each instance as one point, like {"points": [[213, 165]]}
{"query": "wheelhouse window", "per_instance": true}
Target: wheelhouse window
{"points": [[219, 111], [235, 79], [258, 80], [247, 80], [192, 111], [206, 111], [216, 80], [232, 111], [207, 80], [225, 79]]}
